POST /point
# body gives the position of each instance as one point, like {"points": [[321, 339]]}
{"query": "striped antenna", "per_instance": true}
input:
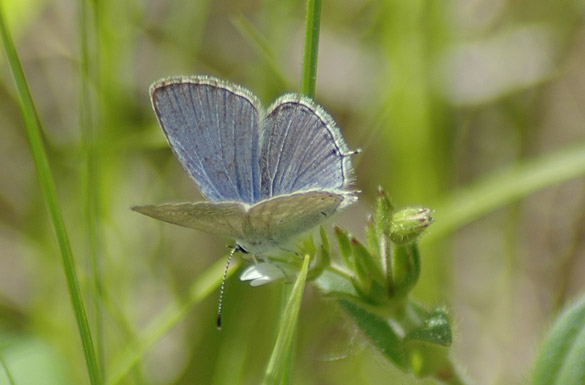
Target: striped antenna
{"points": [[221, 289]]}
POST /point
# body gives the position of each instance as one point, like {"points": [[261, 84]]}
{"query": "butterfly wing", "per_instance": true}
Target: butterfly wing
{"points": [[301, 149], [274, 221], [213, 129], [224, 218]]}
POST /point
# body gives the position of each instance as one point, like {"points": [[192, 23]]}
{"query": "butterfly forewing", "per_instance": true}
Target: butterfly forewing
{"points": [[301, 149], [224, 218], [213, 129]]}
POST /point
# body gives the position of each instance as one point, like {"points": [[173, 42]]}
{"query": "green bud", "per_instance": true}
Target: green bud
{"points": [[407, 224]]}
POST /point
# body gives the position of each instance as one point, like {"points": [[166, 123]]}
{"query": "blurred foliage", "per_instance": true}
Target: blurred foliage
{"points": [[440, 96]]}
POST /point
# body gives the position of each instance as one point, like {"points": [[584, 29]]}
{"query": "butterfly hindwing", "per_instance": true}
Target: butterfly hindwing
{"points": [[213, 129], [276, 220]]}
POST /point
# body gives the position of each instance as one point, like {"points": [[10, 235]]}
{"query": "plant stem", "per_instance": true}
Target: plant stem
{"points": [[339, 272], [89, 60], [33, 131], [280, 364], [506, 186], [313, 22], [6, 370], [206, 283]]}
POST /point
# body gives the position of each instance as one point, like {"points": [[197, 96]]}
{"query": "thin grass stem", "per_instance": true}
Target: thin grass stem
{"points": [[280, 364], [504, 187], [6, 370], [33, 132], [87, 22], [312, 27], [206, 283]]}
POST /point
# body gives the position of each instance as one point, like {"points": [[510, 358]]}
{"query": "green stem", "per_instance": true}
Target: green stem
{"points": [[313, 22], [33, 131], [89, 60], [206, 283], [339, 272], [280, 364], [506, 186], [6, 370]]}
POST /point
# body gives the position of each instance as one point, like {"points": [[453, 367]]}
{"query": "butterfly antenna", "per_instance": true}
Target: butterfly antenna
{"points": [[221, 288]]}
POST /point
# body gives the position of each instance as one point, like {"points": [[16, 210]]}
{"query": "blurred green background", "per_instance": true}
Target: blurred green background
{"points": [[439, 95]]}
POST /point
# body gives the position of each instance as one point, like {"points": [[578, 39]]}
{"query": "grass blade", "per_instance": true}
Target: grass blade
{"points": [[260, 45], [89, 61], [33, 132], [506, 186], [313, 23], [281, 355], [206, 283], [6, 370]]}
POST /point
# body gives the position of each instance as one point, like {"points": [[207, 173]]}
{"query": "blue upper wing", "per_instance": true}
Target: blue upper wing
{"points": [[213, 129], [301, 149]]}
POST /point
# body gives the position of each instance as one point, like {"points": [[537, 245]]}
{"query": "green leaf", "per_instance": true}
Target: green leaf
{"points": [[344, 245], [373, 236], [561, 359], [334, 283], [384, 212], [288, 324], [322, 256], [405, 267], [435, 330], [366, 266], [379, 332]]}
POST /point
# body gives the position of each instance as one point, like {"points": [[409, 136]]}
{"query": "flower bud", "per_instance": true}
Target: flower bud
{"points": [[407, 224]]}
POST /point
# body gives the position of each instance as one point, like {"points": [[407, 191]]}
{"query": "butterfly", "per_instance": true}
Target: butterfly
{"points": [[269, 175]]}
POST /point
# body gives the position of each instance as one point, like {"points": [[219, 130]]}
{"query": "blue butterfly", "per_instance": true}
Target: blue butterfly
{"points": [[269, 175]]}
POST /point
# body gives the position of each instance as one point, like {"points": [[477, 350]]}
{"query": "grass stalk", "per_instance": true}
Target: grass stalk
{"points": [[312, 26], [279, 367], [6, 370], [504, 187], [206, 283], [87, 23], [33, 132]]}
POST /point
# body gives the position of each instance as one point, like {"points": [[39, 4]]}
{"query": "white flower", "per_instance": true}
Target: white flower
{"points": [[261, 273]]}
